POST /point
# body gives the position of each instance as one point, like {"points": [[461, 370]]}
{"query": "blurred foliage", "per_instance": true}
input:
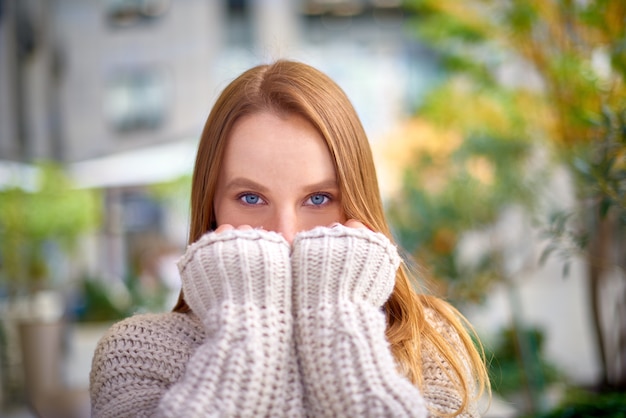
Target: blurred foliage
{"points": [[583, 404], [55, 214], [570, 55], [489, 169], [520, 73], [443, 196], [540, 83], [506, 372], [98, 302], [101, 300], [178, 189], [600, 175], [556, 68]]}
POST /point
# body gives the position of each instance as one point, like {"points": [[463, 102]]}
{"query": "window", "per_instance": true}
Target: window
{"points": [[136, 100], [131, 12]]}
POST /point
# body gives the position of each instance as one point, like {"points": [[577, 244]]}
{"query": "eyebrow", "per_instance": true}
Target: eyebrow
{"points": [[242, 182], [325, 184]]}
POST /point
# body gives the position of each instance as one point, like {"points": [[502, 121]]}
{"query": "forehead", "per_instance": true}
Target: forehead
{"points": [[279, 141]]}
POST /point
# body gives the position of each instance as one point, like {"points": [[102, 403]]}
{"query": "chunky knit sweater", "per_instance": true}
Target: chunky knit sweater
{"points": [[273, 330]]}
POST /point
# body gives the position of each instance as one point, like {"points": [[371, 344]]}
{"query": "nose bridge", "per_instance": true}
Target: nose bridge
{"points": [[286, 221]]}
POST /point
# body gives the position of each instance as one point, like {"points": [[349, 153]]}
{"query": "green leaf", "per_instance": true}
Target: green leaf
{"points": [[605, 206]]}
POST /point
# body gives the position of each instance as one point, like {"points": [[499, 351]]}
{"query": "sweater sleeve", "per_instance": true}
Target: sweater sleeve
{"points": [[342, 277], [239, 284], [234, 355], [138, 359]]}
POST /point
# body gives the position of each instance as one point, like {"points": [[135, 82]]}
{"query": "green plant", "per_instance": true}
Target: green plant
{"points": [[557, 70], [35, 224], [583, 404], [507, 374], [99, 300], [445, 195]]}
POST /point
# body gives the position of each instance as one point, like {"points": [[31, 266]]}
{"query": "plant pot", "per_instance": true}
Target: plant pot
{"points": [[42, 356]]}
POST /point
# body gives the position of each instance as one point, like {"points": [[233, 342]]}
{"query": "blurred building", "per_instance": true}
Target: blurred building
{"points": [[83, 79]]}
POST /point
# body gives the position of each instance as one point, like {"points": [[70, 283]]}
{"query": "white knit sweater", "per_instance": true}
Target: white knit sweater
{"points": [[274, 331]]}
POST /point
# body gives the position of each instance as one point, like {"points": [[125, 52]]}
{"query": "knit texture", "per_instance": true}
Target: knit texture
{"points": [[239, 285], [138, 360], [342, 277], [253, 346], [441, 387]]}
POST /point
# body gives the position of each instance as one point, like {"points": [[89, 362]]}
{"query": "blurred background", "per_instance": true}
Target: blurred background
{"points": [[498, 128]]}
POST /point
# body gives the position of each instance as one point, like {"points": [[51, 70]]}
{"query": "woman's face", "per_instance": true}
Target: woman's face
{"points": [[277, 174]]}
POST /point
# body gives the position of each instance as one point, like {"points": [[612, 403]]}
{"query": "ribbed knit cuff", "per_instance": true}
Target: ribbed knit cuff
{"points": [[237, 267], [341, 278], [239, 284], [341, 263]]}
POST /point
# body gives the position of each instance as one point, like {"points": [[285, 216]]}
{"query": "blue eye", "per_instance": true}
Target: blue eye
{"points": [[318, 199], [251, 199]]}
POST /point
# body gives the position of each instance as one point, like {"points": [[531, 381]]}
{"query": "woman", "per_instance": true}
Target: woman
{"points": [[294, 301]]}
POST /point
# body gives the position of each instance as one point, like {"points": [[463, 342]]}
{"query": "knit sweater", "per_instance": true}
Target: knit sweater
{"points": [[273, 330]]}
